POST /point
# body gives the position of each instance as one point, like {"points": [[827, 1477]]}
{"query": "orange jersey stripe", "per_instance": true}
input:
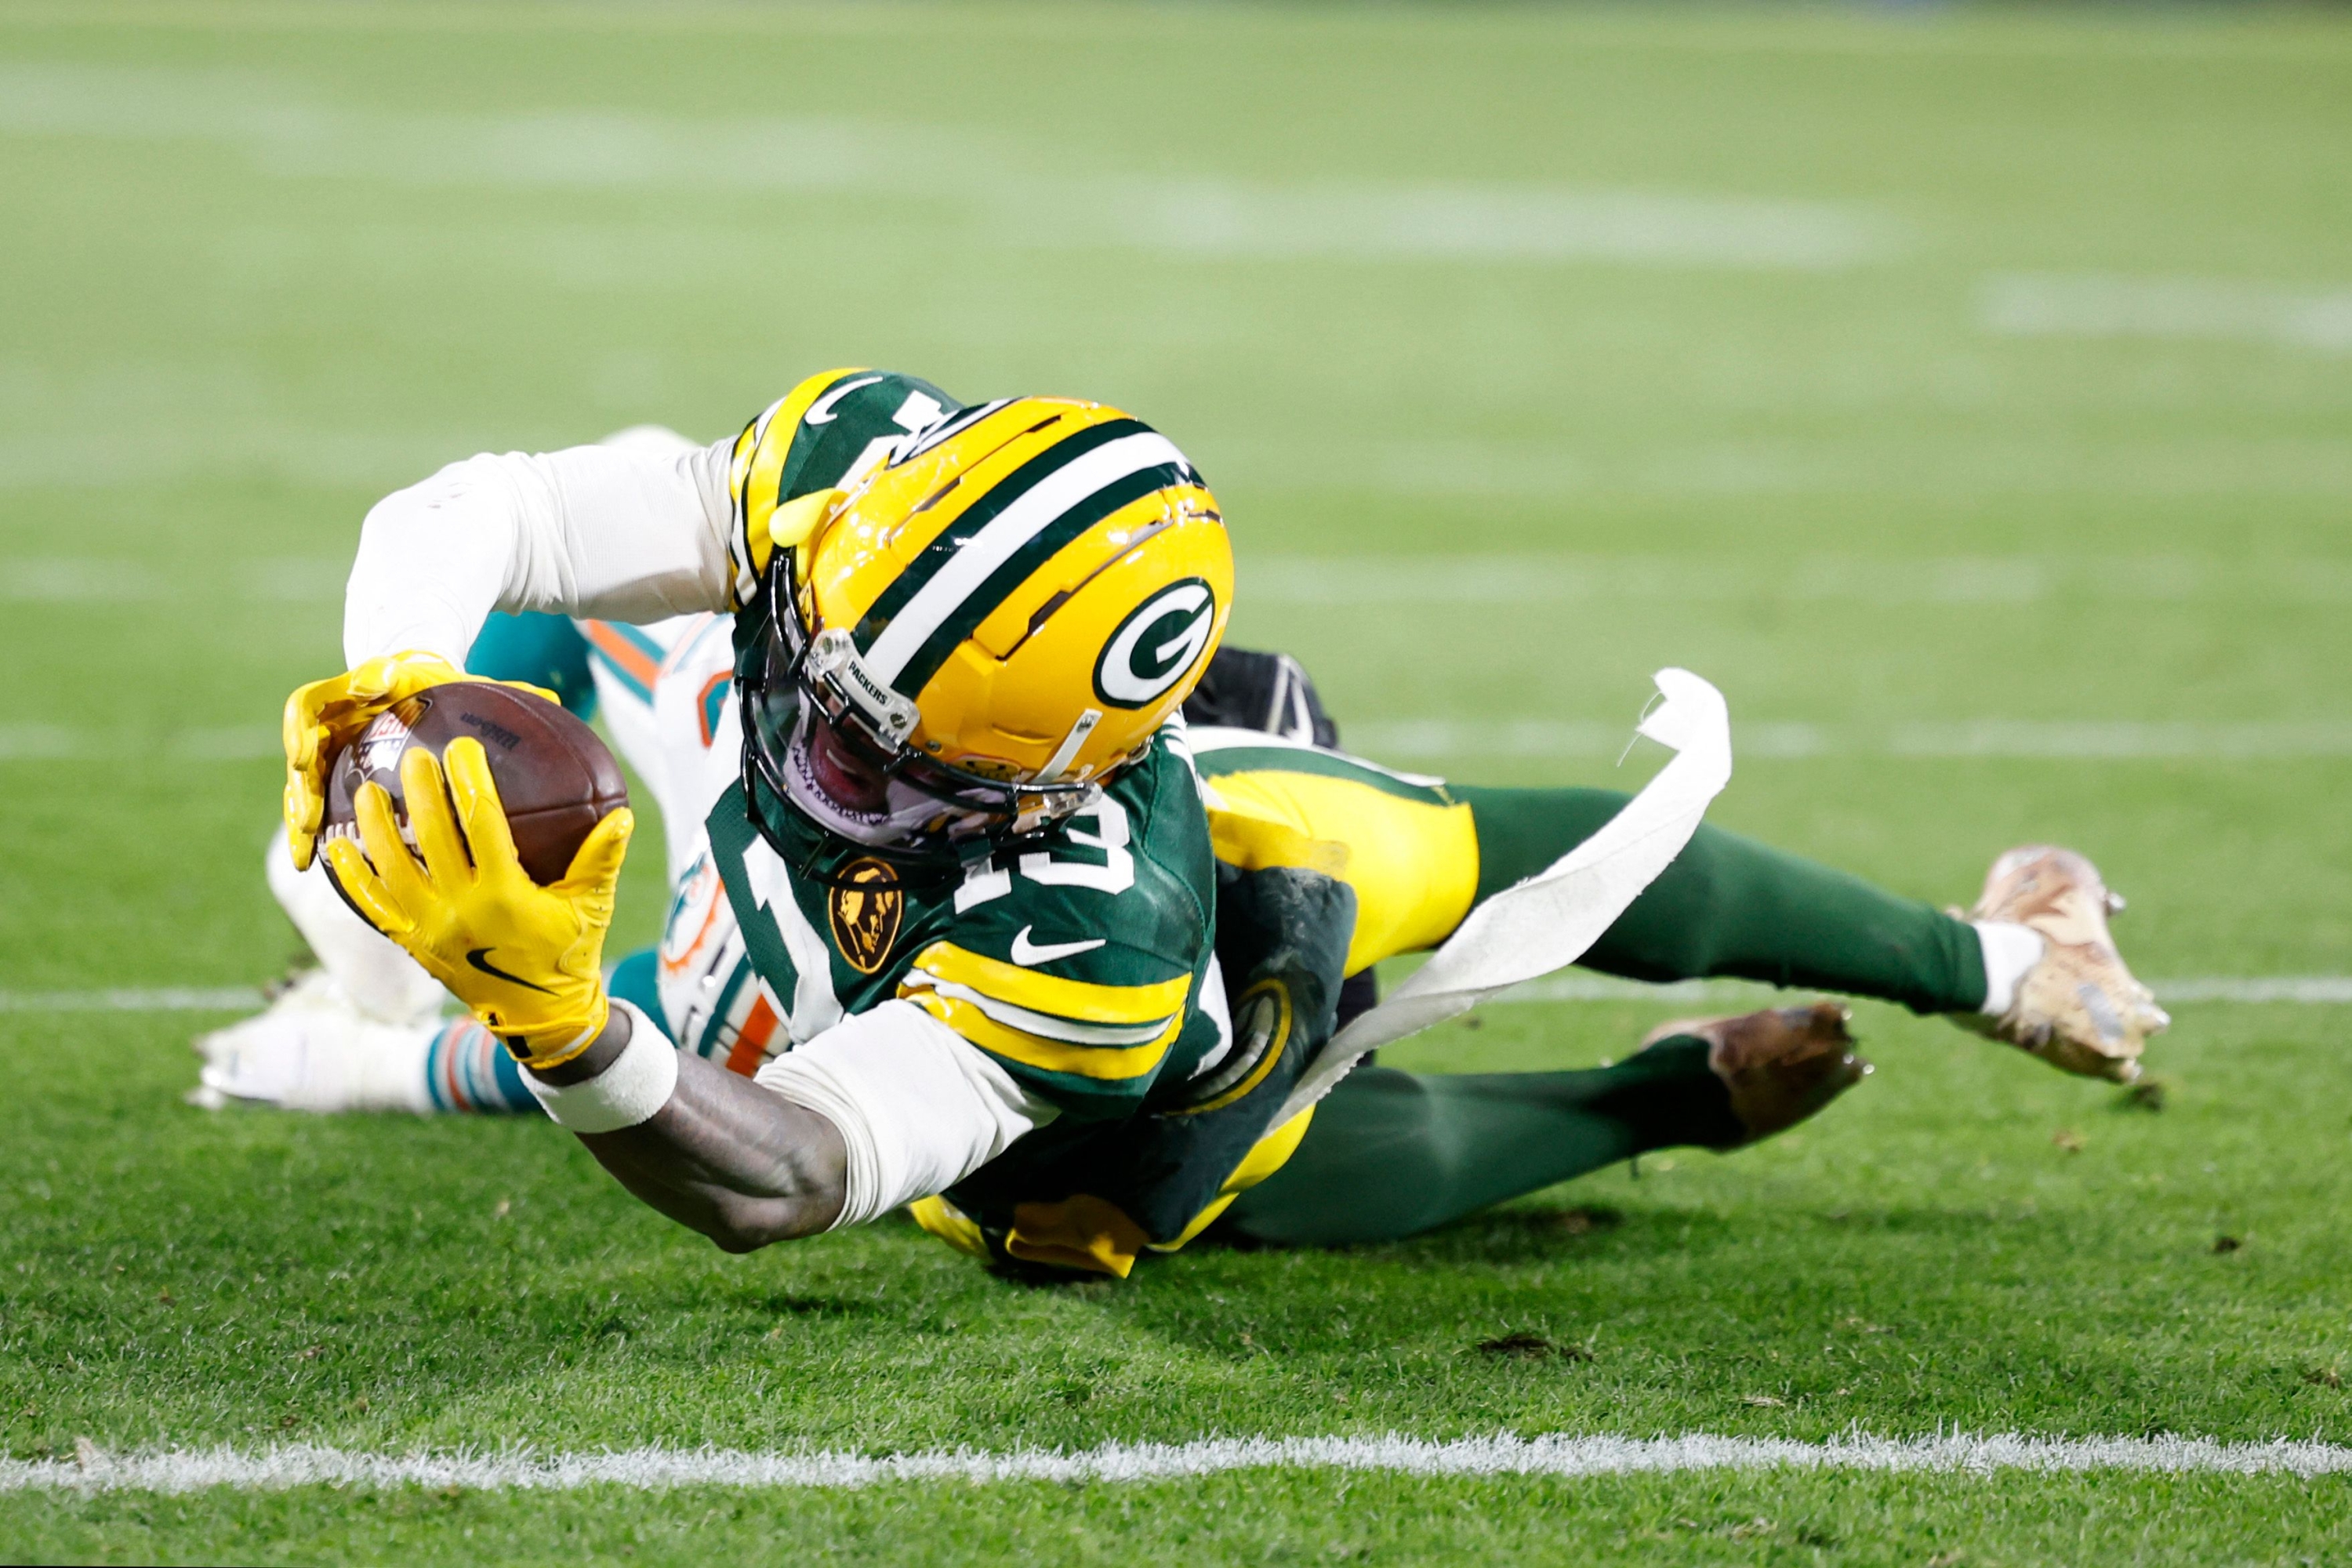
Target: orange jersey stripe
{"points": [[751, 1044], [622, 651]]}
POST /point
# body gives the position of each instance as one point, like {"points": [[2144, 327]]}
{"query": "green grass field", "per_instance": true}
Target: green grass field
{"points": [[1967, 394]]}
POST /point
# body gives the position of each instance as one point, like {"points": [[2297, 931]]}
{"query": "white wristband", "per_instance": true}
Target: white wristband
{"points": [[638, 1083]]}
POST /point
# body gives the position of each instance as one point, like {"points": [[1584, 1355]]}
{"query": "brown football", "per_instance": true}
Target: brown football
{"points": [[554, 776]]}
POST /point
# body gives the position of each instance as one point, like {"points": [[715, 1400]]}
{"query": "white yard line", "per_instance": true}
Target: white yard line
{"points": [[656, 1468], [162, 999], [2101, 305]]}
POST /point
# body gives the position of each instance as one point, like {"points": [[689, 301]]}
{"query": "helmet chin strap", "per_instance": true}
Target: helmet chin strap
{"points": [[1064, 753]]}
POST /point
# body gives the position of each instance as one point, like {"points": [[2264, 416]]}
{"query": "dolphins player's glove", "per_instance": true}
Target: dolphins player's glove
{"points": [[527, 960], [325, 716]]}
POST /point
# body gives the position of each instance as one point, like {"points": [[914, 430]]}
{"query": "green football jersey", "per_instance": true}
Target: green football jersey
{"points": [[1077, 959]]}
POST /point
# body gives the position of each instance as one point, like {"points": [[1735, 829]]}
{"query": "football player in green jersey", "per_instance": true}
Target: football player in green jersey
{"points": [[975, 926]]}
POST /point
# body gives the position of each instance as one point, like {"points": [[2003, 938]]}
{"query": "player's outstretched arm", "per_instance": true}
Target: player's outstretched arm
{"points": [[886, 1105], [740, 1163], [613, 531], [628, 531]]}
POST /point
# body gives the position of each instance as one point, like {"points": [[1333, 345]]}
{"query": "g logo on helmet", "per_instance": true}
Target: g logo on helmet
{"points": [[1153, 647]]}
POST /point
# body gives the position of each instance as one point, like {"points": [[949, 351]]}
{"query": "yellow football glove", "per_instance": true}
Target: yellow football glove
{"points": [[527, 960], [325, 716]]}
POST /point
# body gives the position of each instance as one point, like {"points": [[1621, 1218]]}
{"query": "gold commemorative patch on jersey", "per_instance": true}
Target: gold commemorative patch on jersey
{"points": [[866, 908]]}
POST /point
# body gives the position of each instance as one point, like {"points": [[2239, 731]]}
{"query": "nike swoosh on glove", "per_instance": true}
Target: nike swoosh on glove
{"points": [[527, 960]]}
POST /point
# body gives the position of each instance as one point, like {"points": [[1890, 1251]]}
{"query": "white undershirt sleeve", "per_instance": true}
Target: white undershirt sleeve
{"points": [[624, 533], [918, 1105]]}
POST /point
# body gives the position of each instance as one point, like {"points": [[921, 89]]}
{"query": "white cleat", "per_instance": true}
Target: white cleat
{"points": [[2079, 1008], [314, 1049]]}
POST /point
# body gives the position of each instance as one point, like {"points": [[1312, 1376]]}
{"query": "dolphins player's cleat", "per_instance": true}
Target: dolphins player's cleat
{"points": [[314, 1048], [2078, 1008], [1780, 1066], [311, 1049]]}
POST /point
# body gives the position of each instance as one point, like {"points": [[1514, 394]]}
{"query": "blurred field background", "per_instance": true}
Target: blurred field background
{"points": [[1967, 392]]}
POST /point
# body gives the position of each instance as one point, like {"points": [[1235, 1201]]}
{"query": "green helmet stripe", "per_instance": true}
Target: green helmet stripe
{"points": [[973, 519], [1017, 569]]}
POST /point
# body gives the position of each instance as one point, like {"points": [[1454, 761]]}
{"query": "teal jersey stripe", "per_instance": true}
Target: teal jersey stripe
{"points": [[433, 1054], [717, 1020], [507, 1086]]}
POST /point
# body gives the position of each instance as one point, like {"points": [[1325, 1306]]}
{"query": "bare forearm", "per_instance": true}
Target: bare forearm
{"points": [[740, 1163]]}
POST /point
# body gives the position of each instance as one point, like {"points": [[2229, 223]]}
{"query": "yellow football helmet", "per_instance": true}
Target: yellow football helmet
{"points": [[965, 644]]}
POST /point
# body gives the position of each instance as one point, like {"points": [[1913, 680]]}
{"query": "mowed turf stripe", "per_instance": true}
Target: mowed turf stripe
{"points": [[2039, 739], [37, 742], [1962, 582], [660, 1469], [280, 128], [2306, 990], [1912, 582], [1419, 740], [2103, 305]]}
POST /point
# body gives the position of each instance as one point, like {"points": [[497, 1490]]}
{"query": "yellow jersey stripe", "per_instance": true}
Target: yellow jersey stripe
{"points": [[1109, 1063], [1080, 1000], [1052, 1028]]}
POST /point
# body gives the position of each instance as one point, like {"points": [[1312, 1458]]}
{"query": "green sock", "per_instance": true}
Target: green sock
{"points": [[1730, 906], [1392, 1153]]}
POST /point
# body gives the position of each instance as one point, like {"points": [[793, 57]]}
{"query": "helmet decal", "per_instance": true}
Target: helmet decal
{"points": [[1000, 540], [1156, 644]]}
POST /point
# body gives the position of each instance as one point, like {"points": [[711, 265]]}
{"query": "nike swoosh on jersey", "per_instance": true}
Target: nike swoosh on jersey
{"points": [[474, 958], [1026, 954], [821, 411]]}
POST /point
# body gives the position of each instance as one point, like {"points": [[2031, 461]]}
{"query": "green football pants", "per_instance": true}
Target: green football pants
{"points": [[1731, 907], [1391, 1153]]}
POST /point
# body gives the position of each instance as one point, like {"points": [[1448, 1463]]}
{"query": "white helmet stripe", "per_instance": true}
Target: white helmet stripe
{"points": [[1010, 530]]}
